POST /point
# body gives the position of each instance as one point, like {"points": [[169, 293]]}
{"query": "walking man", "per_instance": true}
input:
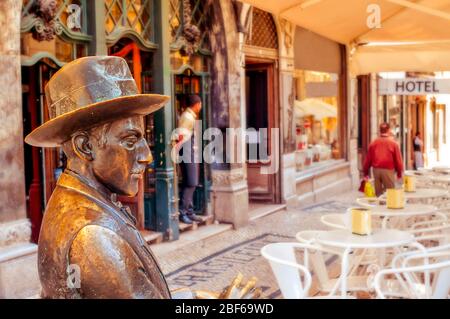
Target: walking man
{"points": [[190, 168], [385, 158]]}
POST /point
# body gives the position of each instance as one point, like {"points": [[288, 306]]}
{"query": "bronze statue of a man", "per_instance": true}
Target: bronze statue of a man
{"points": [[97, 118]]}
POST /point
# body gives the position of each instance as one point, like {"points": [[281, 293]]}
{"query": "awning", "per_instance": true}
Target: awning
{"points": [[315, 107], [414, 34]]}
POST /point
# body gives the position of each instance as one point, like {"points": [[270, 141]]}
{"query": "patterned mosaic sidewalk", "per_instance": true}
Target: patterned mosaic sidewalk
{"points": [[211, 264]]}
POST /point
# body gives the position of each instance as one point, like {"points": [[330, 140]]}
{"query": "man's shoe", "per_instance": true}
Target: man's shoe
{"points": [[185, 219], [194, 217]]}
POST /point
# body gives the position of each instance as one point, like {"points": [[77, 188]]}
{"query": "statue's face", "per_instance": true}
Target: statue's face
{"points": [[121, 162]]}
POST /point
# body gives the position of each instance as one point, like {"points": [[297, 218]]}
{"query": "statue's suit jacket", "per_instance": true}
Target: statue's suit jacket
{"points": [[90, 248]]}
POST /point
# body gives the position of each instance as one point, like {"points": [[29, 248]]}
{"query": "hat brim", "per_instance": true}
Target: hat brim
{"points": [[58, 130]]}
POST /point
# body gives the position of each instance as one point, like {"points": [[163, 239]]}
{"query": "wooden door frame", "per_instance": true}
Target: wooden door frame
{"points": [[138, 200], [274, 112], [206, 104], [344, 105], [35, 192], [364, 109]]}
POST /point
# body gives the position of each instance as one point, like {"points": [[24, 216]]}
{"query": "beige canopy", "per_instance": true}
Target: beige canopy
{"points": [[414, 34], [315, 107]]}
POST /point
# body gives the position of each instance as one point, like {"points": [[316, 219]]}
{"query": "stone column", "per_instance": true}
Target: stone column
{"points": [[373, 106], [166, 205], [352, 119], [229, 189], [287, 115], [18, 264]]}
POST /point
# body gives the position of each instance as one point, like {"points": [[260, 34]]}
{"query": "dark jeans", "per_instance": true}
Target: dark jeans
{"points": [[187, 200], [190, 172]]}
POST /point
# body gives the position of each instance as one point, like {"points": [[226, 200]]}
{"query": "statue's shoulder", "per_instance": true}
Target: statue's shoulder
{"points": [[69, 201], [100, 248], [71, 211], [100, 239]]}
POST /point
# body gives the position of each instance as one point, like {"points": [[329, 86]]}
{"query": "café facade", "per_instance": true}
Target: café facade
{"points": [[251, 70]]}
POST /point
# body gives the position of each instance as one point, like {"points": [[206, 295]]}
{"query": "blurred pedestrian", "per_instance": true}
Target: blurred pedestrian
{"points": [[385, 158], [190, 170], [418, 151]]}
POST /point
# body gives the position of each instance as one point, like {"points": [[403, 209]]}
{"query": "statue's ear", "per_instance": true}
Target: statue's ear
{"points": [[82, 146]]}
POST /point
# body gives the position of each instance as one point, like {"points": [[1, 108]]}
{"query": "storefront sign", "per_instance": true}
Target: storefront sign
{"points": [[413, 86]]}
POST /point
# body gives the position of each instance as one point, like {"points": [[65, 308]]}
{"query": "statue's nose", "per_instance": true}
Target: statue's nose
{"points": [[146, 155]]}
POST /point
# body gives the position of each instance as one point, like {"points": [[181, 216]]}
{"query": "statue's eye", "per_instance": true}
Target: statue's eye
{"points": [[130, 141]]}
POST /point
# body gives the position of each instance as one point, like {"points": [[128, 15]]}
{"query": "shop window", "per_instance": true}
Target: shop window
{"points": [[198, 62], [262, 32], [316, 118], [62, 50], [134, 15]]}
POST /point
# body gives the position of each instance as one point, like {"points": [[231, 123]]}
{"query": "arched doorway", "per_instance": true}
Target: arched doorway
{"points": [[261, 91], [191, 63]]}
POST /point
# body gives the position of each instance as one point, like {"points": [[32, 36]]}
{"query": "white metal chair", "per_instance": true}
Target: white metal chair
{"points": [[293, 278], [307, 236], [282, 259], [334, 221], [418, 274], [369, 201], [435, 230]]}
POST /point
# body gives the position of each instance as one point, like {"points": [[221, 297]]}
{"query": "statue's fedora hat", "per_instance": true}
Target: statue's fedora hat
{"points": [[88, 92]]}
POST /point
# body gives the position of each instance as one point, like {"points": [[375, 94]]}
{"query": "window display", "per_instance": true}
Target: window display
{"points": [[316, 118]]}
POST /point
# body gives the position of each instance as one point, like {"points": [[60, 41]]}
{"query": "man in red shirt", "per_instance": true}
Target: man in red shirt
{"points": [[385, 158]]}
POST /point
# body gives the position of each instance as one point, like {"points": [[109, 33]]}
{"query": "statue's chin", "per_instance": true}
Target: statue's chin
{"points": [[127, 193], [124, 192]]}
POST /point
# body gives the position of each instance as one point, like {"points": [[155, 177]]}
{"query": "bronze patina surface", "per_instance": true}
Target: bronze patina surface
{"points": [[89, 246]]}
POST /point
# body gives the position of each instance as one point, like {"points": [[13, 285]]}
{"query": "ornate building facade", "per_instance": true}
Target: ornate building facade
{"points": [[240, 60]]}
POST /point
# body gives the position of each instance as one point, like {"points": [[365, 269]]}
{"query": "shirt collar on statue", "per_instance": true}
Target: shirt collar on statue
{"points": [[72, 180]]}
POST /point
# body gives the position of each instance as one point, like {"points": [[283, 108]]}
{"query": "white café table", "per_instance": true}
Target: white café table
{"points": [[380, 239], [410, 210], [441, 169], [429, 175], [423, 194]]}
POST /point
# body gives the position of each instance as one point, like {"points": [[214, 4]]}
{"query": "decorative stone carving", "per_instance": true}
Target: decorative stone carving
{"points": [[287, 30], [241, 10], [227, 178], [191, 33], [190, 37], [46, 27], [15, 232], [290, 138]]}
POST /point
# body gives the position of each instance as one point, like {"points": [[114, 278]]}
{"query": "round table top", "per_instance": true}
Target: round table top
{"points": [[423, 193], [444, 169], [408, 210], [440, 178], [436, 177], [381, 238]]}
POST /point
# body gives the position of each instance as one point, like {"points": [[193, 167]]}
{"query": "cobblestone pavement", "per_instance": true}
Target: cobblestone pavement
{"points": [[211, 264]]}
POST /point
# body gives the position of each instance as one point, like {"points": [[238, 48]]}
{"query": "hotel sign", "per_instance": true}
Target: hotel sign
{"points": [[413, 86]]}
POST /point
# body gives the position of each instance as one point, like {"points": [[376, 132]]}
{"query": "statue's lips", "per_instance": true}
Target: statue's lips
{"points": [[137, 173]]}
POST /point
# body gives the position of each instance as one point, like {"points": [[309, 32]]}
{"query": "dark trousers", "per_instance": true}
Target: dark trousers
{"points": [[190, 173], [384, 179]]}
